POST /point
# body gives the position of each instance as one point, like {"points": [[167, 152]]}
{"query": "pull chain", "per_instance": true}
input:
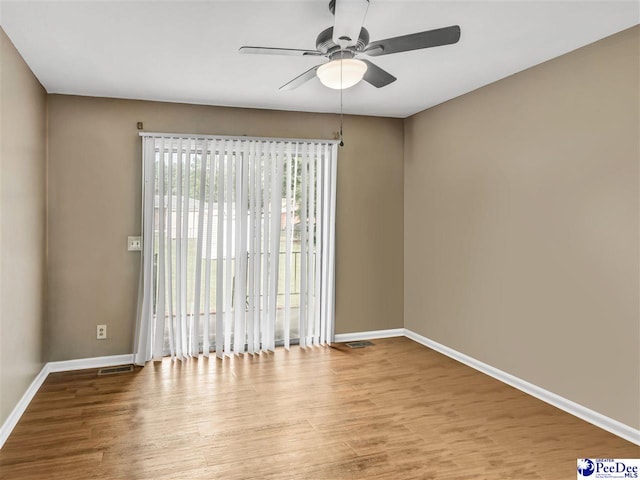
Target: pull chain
{"points": [[341, 110]]}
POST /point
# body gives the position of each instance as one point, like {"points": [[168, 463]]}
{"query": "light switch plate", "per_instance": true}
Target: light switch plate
{"points": [[134, 244]]}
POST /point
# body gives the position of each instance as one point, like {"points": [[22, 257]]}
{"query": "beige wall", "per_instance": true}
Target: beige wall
{"points": [[521, 225], [22, 225], [94, 203]]}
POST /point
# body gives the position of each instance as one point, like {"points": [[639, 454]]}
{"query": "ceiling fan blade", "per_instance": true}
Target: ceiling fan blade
{"points": [[414, 41], [347, 21], [278, 51], [300, 79], [377, 76]]}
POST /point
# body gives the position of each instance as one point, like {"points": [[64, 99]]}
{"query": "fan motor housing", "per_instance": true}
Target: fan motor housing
{"points": [[326, 45]]}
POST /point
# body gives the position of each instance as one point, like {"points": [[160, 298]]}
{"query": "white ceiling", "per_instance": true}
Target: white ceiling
{"points": [[184, 51]]}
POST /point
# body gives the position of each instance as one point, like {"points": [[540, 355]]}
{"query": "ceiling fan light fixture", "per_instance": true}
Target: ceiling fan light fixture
{"points": [[338, 77]]}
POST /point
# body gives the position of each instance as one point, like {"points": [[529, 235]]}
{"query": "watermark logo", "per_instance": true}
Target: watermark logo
{"points": [[608, 468], [586, 467]]}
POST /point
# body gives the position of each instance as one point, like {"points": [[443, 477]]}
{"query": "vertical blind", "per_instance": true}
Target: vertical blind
{"points": [[238, 245]]}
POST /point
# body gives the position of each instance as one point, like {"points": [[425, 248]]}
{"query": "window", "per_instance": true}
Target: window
{"points": [[238, 247]]}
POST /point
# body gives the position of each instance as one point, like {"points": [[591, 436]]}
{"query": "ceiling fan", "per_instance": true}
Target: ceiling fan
{"points": [[348, 39]]}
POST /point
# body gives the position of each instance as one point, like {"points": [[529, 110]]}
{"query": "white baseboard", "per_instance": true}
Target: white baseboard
{"points": [[370, 335], [51, 367], [95, 362], [12, 420], [606, 423]]}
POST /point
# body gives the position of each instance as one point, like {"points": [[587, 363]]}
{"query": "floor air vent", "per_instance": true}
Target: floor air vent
{"points": [[360, 344], [113, 370]]}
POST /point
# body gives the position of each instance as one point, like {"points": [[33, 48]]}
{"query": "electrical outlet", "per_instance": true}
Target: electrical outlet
{"points": [[102, 332], [134, 244]]}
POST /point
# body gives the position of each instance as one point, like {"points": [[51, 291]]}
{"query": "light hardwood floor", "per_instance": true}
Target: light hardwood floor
{"points": [[396, 410]]}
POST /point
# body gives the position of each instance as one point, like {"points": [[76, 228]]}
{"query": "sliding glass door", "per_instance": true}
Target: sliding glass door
{"points": [[238, 245]]}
